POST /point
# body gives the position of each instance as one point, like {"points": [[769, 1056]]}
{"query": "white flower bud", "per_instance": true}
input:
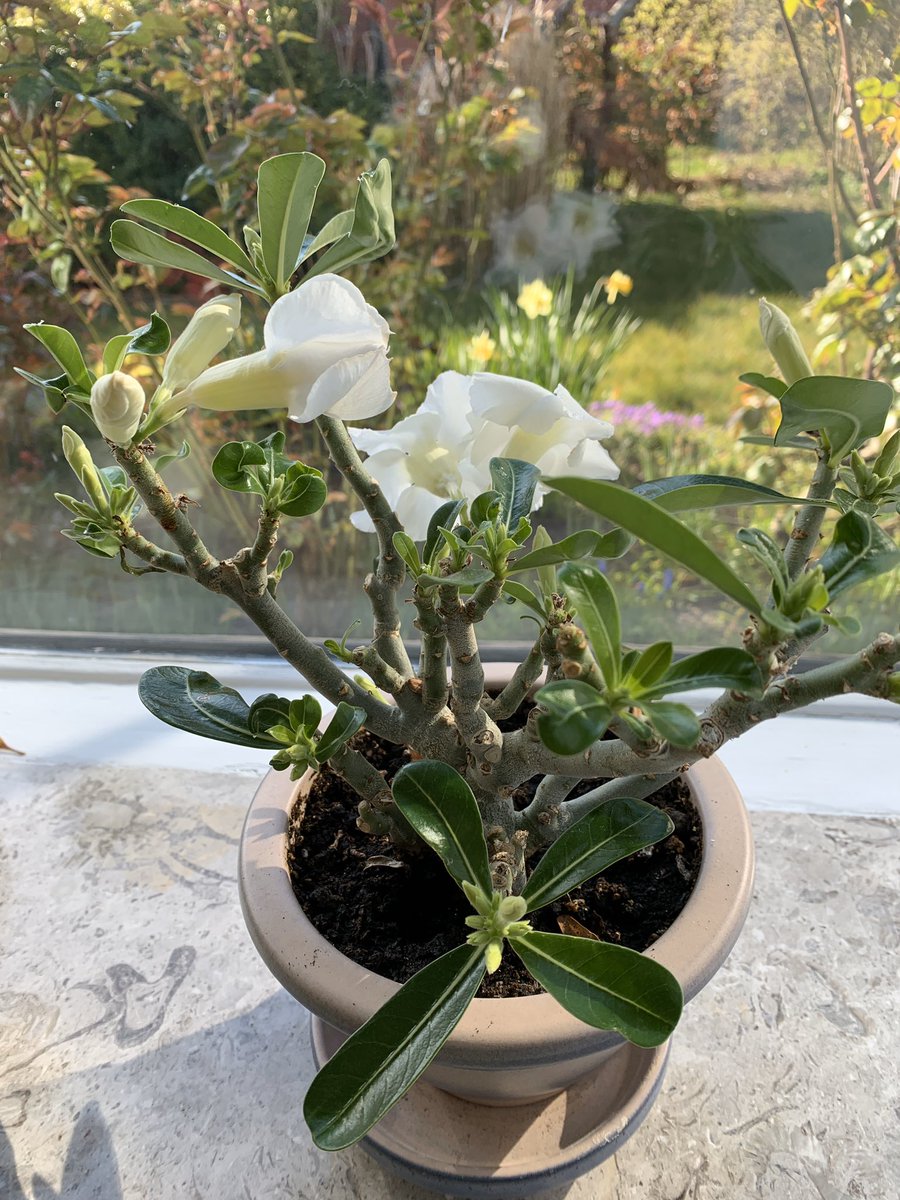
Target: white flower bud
{"points": [[208, 332], [117, 404], [783, 343]]}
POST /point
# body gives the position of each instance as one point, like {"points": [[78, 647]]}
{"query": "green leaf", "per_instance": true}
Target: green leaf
{"points": [[609, 987], [652, 664], [65, 350], [136, 244], [346, 721], [29, 95], [53, 389], [444, 516], [768, 552], [515, 482], [234, 467], [197, 703], [759, 439], [859, 550], [266, 712], [287, 191], [197, 229], [305, 714], [847, 411], [653, 525], [576, 716], [381, 1061], [171, 456], [764, 383], [406, 548], [525, 596], [583, 544], [439, 805], [371, 233], [339, 226], [682, 493], [304, 491], [721, 667], [466, 577], [676, 723], [610, 832], [595, 603], [152, 338]]}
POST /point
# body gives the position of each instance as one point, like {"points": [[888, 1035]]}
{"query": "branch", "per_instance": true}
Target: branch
{"points": [[483, 739], [148, 552], [253, 562], [809, 519], [631, 787], [432, 652], [525, 676], [381, 586]]}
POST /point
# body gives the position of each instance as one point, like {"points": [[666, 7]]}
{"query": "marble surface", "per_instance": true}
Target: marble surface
{"points": [[146, 1053]]}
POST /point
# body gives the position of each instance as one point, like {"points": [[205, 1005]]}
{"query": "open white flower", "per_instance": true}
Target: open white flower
{"points": [[325, 352], [207, 334], [443, 450], [117, 405]]}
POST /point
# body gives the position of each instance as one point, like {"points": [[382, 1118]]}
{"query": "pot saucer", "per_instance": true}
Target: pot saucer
{"points": [[458, 1148]]}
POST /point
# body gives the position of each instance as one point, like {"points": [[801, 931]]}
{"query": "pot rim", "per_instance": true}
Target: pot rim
{"points": [[529, 1029]]}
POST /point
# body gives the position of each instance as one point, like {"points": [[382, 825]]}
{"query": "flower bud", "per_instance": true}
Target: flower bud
{"points": [[117, 405], [208, 332], [79, 459], [783, 343]]}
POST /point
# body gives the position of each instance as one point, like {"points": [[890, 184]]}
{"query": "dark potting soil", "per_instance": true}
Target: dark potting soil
{"points": [[394, 914]]}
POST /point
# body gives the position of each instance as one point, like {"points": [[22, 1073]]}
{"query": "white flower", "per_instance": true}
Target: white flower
{"points": [[326, 352], [443, 450], [207, 334], [117, 405], [541, 240]]}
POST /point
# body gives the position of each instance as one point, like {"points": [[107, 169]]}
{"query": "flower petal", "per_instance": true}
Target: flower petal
{"points": [[325, 308], [353, 388]]}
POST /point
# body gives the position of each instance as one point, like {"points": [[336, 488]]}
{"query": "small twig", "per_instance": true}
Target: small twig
{"points": [[808, 520], [525, 676]]}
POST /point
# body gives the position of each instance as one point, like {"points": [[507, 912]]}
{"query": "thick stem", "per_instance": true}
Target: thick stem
{"points": [[432, 653], [809, 519], [631, 787], [482, 737], [525, 676], [253, 562], [383, 585], [148, 552]]}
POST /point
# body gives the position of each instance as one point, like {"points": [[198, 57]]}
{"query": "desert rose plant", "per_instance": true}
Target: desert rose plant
{"points": [[450, 495]]}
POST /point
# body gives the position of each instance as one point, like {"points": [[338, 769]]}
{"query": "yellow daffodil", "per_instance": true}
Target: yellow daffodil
{"points": [[618, 284], [481, 348], [535, 299]]}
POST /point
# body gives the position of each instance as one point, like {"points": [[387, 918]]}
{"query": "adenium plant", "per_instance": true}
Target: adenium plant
{"points": [[449, 494]]}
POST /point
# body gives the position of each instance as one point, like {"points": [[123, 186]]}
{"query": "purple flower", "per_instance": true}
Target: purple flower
{"points": [[646, 418]]}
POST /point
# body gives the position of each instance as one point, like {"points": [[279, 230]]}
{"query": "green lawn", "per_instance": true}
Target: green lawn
{"points": [[690, 359]]}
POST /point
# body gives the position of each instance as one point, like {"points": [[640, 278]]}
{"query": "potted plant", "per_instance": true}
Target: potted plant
{"points": [[503, 795]]}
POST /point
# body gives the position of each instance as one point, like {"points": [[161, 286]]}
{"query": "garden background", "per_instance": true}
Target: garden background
{"points": [[643, 170]]}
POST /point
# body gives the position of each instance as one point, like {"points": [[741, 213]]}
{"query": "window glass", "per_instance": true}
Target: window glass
{"points": [[591, 194]]}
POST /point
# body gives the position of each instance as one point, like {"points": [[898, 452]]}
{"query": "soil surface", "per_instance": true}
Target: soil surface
{"points": [[395, 914]]}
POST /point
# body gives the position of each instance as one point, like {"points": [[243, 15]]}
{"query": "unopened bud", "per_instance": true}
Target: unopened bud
{"points": [[79, 459], [783, 343], [117, 405], [208, 332]]}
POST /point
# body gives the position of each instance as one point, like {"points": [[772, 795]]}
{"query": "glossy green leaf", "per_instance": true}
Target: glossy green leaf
{"points": [[267, 711], [609, 987], [760, 439], [439, 805], [183, 221], [676, 723], [197, 703], [408, 551], [152, 338], [466, 577], [585, 543], [610, 832], [652, 664], [443, 517], [136, 244], [287, 191], [304, 491], [234, 467], [596, 606], [514, 481], [371, 233], [305, 714], [720, 667], [576, 716], [764, 383], [653, 525], [525, 596], [339, 226], [54, 389], [859, 550], [848, 411], [381, 1061], [347, 720], [683, 493], [768, 552], [64, 349]]}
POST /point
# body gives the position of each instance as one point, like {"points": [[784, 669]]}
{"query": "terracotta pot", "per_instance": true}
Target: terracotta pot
{"points": [[577, 1092]]}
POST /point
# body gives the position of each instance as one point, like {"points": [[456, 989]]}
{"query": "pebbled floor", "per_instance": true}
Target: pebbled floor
{"points": [[146, 1053]]}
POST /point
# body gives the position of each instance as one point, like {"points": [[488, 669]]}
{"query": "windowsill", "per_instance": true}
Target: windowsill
{"points": [[832, 758]]}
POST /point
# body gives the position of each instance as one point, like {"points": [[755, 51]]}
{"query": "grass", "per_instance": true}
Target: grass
{"points": [[689, 359]]}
